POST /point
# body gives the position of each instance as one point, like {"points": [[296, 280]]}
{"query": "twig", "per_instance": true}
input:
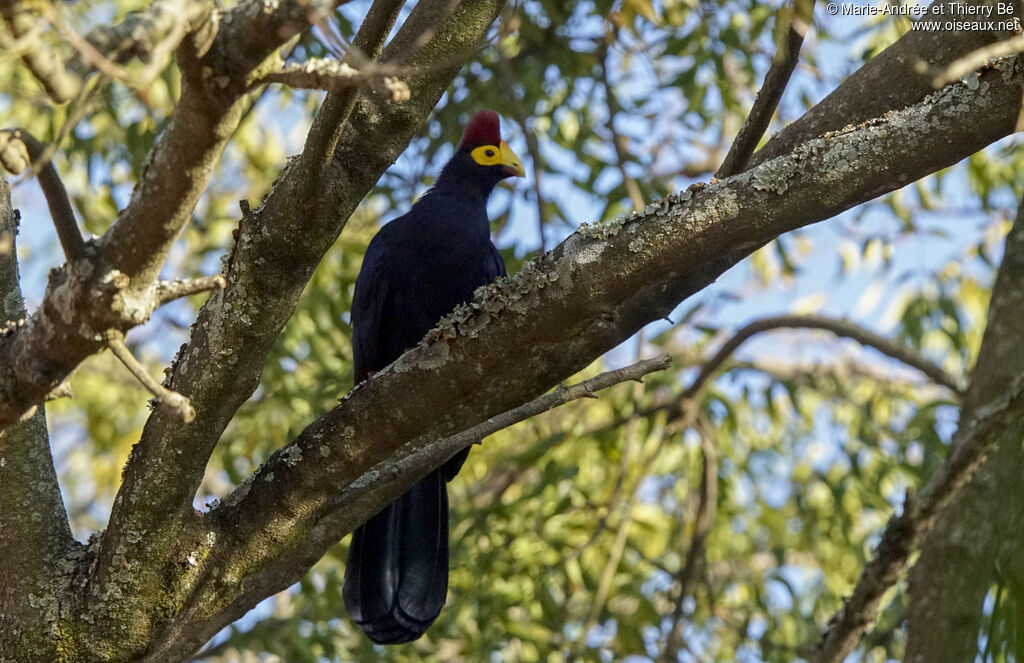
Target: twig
{"points": [[152, 35], [435, 453], [148, 35], [977, 59], [559, 396], [330, 121], [767, 100], [904, 532], [520, 115], [47, 68], [18, 46], [838, 327], [78, 107], [168, 291], [635, 195], [172, 399], [16, 161], [706, 507], [333, 76]]}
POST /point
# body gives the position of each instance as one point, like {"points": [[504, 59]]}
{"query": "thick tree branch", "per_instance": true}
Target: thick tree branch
{"points": [[589, 294], [363, 498], [896, 78], [595, 290], [775, 81], [1000, 421], [955, 570], [603, 283], [36, 536], [115, 288]]}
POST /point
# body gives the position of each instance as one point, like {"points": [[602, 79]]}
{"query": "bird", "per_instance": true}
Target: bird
{"points": [[418, 268]]}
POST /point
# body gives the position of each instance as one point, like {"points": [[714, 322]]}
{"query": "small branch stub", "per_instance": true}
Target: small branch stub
{"points": [[332, 75], [178, 402], [168, 291]]}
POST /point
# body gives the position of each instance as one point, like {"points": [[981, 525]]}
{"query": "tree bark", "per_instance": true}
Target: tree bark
{"points": [[951, 578], [36, 546]]}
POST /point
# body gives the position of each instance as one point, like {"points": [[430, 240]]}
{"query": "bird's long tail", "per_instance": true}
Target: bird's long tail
{"points": [[396, 577]]}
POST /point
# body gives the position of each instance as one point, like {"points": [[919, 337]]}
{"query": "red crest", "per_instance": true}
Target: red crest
{"points": [[483, 129]]}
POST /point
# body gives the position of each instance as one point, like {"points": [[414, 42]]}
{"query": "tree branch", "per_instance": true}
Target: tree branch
{"points": [[843, 328], [329, 123], [333, 76], [951, 578], [168, 291], [775, 82], [36, 536], [896, 78], [383, 483], [149, 35], [47, 68], [163, 395], [596, 293], [361, 499], [113, 290], [978, 435], [16, 161], [215, 74], [174, 12]]}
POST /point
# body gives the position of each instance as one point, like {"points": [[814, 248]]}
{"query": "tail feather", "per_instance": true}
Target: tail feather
{"points": [[396, 578]]}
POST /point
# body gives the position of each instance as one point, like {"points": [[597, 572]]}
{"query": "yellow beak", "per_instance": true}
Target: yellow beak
{"points": [[513, 166]]}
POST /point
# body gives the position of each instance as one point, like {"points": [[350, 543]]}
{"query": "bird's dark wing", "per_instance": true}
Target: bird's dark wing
{"points": [[495, 264], [399, 297]]}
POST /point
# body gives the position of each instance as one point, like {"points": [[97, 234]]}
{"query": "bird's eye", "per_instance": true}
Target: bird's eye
{"points": [[487, 155]]}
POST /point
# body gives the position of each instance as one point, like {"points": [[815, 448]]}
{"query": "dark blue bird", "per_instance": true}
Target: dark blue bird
{"points": [[417, 269]]}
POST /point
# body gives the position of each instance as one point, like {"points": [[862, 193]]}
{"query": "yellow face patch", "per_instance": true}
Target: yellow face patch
{"points": [[498, 155], [487, 155]]}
